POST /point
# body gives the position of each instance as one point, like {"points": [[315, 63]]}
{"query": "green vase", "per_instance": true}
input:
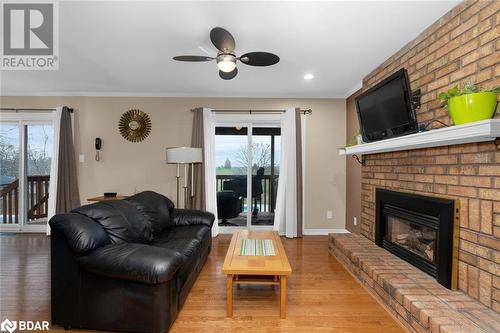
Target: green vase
{"points": [[472, 107]]}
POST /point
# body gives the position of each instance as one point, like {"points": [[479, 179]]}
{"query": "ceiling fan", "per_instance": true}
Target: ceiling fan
{"points": [[226, 58]]}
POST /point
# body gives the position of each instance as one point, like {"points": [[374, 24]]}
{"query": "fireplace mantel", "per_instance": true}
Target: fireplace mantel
{"points": [[486, 130]]}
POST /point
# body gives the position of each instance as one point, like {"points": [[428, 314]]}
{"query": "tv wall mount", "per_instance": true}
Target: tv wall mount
{"points": [[416, 97]]}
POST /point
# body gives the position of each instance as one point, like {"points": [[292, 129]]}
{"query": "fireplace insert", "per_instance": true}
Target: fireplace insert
{"points": [[421, 230]]}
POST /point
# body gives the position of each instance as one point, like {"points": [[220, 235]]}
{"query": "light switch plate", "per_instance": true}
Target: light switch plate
{"points": [[329, 214], [82, 158]]}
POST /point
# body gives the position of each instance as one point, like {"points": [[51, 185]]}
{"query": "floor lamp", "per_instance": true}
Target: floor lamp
{"points": [[186, 156]]}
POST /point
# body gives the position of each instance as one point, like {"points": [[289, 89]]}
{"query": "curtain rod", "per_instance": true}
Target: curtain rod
{"points": [[304, 111], [31, 109]]}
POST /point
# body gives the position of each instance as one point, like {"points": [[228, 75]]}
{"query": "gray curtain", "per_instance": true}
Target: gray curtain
{"points": [[298, 161], [67, 196], [198, 201]]}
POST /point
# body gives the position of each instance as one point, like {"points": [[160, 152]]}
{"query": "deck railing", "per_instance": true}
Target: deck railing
{"points": [[267, 200], [37, 200]]}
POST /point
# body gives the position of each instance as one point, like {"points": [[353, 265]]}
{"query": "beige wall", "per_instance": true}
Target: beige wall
{"points": [[126, 167], [353, 169]]}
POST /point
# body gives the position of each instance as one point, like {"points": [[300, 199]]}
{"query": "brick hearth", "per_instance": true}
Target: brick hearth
{"points": [[415, 298]]}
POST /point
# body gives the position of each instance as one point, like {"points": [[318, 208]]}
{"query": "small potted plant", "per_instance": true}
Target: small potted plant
{"points": [[470, 103], [356, 139]]}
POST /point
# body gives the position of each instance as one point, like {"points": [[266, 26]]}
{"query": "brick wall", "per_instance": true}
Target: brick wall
{"points": [[463, 46]]}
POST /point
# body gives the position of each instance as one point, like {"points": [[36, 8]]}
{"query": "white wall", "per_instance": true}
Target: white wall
{"points": [[126, 167]]}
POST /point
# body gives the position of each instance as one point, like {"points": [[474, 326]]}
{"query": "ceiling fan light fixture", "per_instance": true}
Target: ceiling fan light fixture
{"points": [[226, 62], [226, 56]]}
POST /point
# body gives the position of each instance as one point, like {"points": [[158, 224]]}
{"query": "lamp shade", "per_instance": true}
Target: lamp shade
{"points": [[182, 155]]}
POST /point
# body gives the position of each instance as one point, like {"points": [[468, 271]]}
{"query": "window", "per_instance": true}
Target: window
{"points": [[26, 148]]}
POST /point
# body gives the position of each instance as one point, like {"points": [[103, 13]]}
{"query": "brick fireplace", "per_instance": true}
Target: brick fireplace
{"points": [[467, 173], [462, 46]]}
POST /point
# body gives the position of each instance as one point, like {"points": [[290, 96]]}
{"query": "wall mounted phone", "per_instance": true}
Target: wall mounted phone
{"points": [[98, 147]]}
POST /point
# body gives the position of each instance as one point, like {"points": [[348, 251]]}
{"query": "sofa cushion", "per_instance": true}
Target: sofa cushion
{"points": [[187, 241], [185, 217], [198, 232], [156, 208], [82, 233], [134, 262], [120, 219], [188, 271], [186, 246]]}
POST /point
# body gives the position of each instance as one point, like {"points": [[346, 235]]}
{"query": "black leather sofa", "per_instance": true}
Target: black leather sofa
{"points": [[126, 265]]}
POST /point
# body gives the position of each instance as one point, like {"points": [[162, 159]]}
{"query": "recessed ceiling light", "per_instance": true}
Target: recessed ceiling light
{"points": [[308, 77]]}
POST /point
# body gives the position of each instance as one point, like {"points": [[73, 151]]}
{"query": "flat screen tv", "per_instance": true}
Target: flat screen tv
{"points": [[385, 110]]}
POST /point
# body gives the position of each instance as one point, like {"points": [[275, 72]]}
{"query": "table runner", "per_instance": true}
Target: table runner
{"points": [[257, 247]]}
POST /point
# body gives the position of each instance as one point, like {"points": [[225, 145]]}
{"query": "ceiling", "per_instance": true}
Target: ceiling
{"points": [[125, 48]]}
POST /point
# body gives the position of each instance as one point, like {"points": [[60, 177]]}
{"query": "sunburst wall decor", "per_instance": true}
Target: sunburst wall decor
{"points": [[135, 125]]}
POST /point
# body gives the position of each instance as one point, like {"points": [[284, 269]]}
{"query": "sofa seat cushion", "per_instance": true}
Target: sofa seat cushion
{"points": [[189, 241], [185, 246], [120, 219], [199, 232], [134, 262], [188, 271], [156, 208]]}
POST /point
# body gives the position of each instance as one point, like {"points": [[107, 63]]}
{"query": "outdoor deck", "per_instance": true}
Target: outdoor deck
{"points": [[37, 200], [262, 206]]}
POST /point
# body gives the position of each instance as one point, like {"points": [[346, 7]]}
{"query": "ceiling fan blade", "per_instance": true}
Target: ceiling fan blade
{"points": [[259, 59], [222, 39], [192, 58], [228, 76]]}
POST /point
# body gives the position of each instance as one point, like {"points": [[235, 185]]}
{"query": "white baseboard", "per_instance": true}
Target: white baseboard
{"points": [[232, 230], [319, 232], [15, 228], [305, 232]]}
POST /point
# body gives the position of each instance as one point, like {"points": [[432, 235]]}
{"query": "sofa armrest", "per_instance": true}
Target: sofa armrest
{"points": [[186, 217], [133, 262], [82, 233]]}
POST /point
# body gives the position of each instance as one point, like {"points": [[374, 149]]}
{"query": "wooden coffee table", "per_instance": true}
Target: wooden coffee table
{"points": [[271, 270]]}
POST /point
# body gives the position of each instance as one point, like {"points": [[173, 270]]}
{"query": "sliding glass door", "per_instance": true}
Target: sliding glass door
{"points": [[10, 162], [26, 148], [265, 152], [247, 172], [39, 147], [231, 158]]}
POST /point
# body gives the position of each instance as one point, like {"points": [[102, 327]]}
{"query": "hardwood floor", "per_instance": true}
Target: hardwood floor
{"points": [[321, 295]]}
